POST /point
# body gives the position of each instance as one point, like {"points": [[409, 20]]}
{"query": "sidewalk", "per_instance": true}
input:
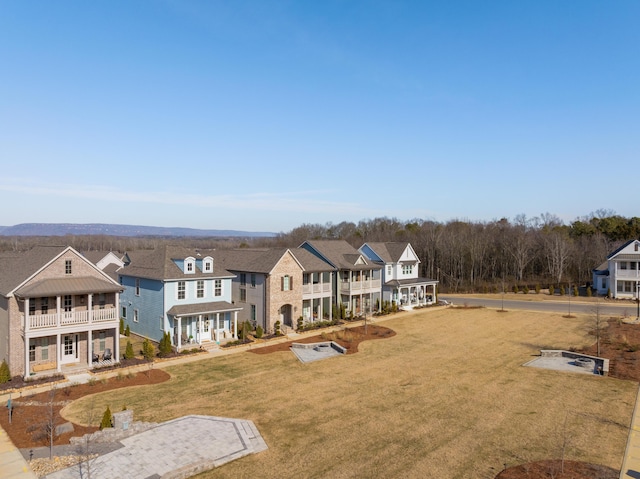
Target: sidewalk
{"points": [[12, 464], [631, 463]]}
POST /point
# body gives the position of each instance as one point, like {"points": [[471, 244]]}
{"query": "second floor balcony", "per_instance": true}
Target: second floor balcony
{"points": [[365, 286], [69, 318]]}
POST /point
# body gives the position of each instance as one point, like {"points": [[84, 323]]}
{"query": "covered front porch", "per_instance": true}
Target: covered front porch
{"points": [[412, 293], [198, 324]]}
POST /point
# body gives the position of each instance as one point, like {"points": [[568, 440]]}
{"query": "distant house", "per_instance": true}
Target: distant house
{"points": [[400, 274], [620, 274], [183, 291], [356, 281], [58, 312]]}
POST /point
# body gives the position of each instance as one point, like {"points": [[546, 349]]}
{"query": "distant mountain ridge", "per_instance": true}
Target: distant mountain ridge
{"points": [[63, 229]]}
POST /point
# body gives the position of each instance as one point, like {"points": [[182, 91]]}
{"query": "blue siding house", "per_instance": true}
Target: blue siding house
{"points": [[183, 291]]}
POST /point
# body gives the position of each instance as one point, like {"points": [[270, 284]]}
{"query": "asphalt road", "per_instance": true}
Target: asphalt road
{"points": [[573, 306]]}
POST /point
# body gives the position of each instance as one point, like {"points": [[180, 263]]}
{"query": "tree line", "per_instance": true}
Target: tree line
{"points": [[462, 255]]}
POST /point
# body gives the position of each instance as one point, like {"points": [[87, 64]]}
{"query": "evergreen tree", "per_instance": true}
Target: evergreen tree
{"points": [[5, 374], [107, 419], [128, 352]]}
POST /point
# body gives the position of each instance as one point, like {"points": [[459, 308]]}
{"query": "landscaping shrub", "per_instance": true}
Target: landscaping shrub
{"points": [[107, 419], [127, 331], [537, 289], [128, 351], [589, 292], [121, 325], [515, 289], [5, 374], [552, 290], [164, 348], [276, 329], [148, 350], [525, 289], [300, 322], [576, 292], [259, 332]]}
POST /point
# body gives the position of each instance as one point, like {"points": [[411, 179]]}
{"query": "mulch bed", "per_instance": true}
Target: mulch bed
{"points": [[28, 420]]}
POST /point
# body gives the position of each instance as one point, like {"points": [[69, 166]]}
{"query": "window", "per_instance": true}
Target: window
{"points": [[632, 265], [32, 352], [44, 305], [32, 307], [182, 290], [253, 280], [389, 270], [208, 265], [407, 269], [68, 303], [243, 279], [101, 300], [44, 349], [253, 313], [305, 279], [243, 295], [200, 289], [189, 265], [217, 287], [623, 265], [124, 312], [135, 315], [137, 286], [102, 340], [67, 266], [287, 283]]}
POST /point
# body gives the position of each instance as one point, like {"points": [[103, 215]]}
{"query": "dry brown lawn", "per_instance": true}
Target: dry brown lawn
{"points": [[447, 397]]}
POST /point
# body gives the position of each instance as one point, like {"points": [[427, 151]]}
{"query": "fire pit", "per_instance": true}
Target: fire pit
{"points": [[585, 363]]}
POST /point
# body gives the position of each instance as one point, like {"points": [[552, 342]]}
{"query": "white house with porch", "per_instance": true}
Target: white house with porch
{"points": [[401, 281], [620, 274]]}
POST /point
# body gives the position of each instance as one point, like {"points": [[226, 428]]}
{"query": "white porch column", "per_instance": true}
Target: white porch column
{"points": [[179, 333], [218, 328], [58, 311], [116, 343], [90, 348], [235, 325], [27, 368], [26, 314], [200, 329], [59, 348], [90, 308]]}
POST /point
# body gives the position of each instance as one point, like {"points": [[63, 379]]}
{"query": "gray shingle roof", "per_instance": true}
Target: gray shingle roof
{"points": [[310, 262], [159, 263], [16, 267], [251, 260], [340, 254], [202, 308], [389, 252], [58, 286]]}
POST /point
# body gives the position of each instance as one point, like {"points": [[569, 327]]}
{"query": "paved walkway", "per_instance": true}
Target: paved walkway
{"points": [[175, 449], [631, 462], [12, 464]]}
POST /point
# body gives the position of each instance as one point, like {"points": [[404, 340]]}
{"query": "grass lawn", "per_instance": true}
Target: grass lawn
{"points": [[447, 397]]}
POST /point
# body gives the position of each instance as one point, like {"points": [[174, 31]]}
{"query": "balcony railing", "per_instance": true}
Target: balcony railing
{"points": [[316, 288], [360, 285], [69, 318], [628, 273]]}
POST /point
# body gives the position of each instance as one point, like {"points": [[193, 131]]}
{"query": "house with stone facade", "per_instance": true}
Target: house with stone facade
{"points": [[183, 291], [401, 281], [58, 312], [620, 273]]}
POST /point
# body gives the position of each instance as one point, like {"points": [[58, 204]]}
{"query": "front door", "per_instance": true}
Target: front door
{"points": [[69, 348]]}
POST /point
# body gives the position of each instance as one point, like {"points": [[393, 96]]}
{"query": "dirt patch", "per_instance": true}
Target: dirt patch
{"points": [[31, 413], [556, 470], [348, 338]]}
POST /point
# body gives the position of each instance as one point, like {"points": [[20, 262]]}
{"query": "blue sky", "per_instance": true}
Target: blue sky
{"points": [[263, 115]]}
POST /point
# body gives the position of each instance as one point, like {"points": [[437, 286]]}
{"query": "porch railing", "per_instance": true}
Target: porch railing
{"points": [[67, 318]]}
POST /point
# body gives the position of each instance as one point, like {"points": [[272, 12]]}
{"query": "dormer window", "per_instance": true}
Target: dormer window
{"points": [[190, 265], [67, 266], [207, 265]]}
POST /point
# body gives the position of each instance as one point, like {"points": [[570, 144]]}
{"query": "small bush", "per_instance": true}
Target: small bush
{"points": [[5, 374], [127, 331], [121, 325], [576, 292], [148, 350], [515, 289], [589, 292], [276, 328], [128, 352], [164, 348], [107, 419], [525, 289], [259, 332]]}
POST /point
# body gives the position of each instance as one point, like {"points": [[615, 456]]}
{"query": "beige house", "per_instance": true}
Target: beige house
{"points": [[58, 312]]}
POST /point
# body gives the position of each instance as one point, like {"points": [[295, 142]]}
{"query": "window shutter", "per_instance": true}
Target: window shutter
{"points": [[282, 284], [291, 283]]}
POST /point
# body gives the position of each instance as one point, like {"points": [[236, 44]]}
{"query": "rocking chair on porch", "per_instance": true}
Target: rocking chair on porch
{"points": [[107, 355]]}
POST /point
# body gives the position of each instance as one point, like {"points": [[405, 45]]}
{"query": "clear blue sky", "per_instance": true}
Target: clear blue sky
{"points": [[262, 115]]}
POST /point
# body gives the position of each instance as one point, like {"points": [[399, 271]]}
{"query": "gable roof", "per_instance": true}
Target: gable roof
{"points": [[254, 260], [340, 254], [159, 263], [18, 266], [389, 252], [618, 250], [310, 262]]}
